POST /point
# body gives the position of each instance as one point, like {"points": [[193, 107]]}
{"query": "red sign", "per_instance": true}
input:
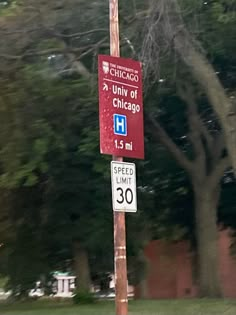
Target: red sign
{"points": [[120, 107]]}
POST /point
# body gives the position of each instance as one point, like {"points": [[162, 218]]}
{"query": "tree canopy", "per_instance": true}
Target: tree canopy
{"points": [[55, 186]]}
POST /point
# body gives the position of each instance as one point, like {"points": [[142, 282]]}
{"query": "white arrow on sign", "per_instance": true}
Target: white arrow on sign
{"points": [[105, 87]]}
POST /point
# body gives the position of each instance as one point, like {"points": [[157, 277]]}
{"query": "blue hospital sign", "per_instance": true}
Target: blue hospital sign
{"points": [[120, 125]]}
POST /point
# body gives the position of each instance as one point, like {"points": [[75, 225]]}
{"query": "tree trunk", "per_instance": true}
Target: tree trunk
{"points": [[144, 289], [206, 201], [226, 111], [81, 267]]}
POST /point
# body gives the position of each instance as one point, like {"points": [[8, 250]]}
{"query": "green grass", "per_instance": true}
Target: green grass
{"points": [[167, 307]]}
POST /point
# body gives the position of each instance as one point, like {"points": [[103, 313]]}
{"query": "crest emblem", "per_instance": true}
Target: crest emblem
{"points": [[105, 67]]}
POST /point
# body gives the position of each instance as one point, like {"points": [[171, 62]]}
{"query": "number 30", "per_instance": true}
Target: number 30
{"points": [[125, 196]]}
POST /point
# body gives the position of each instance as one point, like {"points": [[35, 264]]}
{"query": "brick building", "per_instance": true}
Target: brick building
{"points": [[171, 270]]}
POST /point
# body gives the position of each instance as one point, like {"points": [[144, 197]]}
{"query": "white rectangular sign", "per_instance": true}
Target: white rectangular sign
{"points": [[123, 179]]}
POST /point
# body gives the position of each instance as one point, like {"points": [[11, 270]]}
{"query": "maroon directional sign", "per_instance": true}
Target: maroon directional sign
{"points": [[120, 107]]}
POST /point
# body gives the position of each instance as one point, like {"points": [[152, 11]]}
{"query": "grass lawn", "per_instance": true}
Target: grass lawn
{"points": [[167, 307]]}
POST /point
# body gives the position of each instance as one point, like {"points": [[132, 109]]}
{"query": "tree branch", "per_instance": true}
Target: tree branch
{"points": [[91, 49], [215, 144], [19, 31], [79, 66], [40, 53], [84, 50], [161, 136], [219, 170], [187, 95], [78, 34]]}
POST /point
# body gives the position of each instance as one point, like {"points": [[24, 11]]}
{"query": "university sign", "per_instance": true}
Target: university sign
{"points": [[120, 107]]}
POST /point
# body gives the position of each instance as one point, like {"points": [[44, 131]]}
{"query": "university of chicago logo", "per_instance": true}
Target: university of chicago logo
{"points": [[105, 67]]}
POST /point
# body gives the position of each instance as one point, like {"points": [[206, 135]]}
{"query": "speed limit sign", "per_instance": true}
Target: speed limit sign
{"points": [[123, 179]]}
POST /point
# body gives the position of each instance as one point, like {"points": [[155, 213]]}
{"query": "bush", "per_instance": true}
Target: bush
{"points": [[83, 297]]}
